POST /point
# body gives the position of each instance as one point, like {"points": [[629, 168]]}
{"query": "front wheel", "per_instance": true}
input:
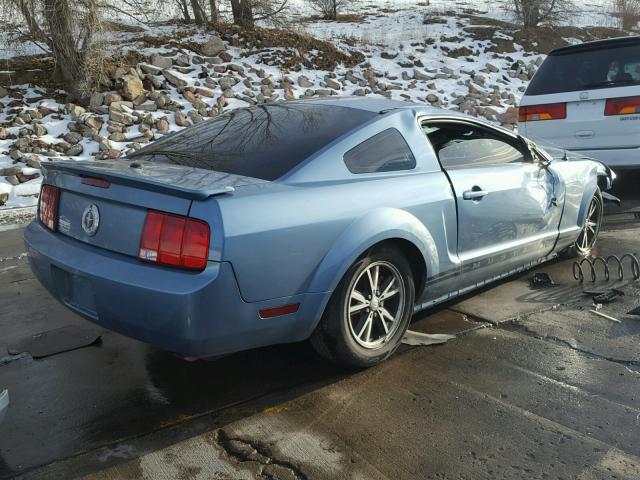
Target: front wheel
{"points": [[369, 311], [589, 233]]}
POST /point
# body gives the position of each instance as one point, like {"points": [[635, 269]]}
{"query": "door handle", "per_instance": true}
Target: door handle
{"points": [[476, 193]]}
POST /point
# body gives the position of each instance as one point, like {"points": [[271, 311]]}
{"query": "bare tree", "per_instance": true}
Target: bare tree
{"points": [[531, 13], [66, 29], [628, 11], [328, 8], [247, 12]]}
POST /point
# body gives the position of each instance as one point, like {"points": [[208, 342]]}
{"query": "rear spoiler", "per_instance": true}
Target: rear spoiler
{"points": [[190, 183]]}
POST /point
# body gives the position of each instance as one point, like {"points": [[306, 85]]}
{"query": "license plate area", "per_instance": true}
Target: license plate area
{"points": [[75, 291]]}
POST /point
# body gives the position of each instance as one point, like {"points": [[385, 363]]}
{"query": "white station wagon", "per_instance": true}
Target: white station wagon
{"points": [[586, 98]]}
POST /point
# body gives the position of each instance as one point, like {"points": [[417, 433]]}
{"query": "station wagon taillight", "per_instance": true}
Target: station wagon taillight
{"points": [[622, 106], [48, 208], [175, 241], [550, 111]]}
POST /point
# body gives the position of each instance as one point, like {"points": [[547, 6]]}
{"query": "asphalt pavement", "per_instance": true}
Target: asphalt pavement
{"points": [[534, 386]]}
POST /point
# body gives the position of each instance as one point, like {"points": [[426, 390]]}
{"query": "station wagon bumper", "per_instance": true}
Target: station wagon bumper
{"points": [[191, 314], [615, 158]]}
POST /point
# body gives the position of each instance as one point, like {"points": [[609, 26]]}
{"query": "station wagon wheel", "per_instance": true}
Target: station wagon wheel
{"points": [[376, 302], [369, 310], [589, 234]]}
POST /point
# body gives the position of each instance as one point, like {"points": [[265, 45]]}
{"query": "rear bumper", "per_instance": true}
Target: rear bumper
{"points": [[191, 314]]}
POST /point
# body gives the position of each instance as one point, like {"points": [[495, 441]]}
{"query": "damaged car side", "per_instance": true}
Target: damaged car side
{"points": [[329, 220]]}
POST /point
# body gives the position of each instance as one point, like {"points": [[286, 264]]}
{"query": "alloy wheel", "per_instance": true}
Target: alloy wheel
{"points": [[375, 305], [589, 233]]}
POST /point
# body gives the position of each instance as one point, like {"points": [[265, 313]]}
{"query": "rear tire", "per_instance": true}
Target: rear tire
{"points": [[362, 325], [589, 234]]}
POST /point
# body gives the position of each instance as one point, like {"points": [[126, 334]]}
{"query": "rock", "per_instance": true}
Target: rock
{"points": [[389, 55], [12, 180], [420, 75], [131, 86], [39, 130], [180, 119], [213, 47], [195, 116], [121, 117], [227, 82], [236, 68], [32, 161], [74, 150], [6, 171], [94, 122], [492, 68], [226, 57], [150, 69], [323, 92], [76, 111], [111, 97], [359, 92], [97, 99], [509, 116], [332, 83], [183, 60], [174, 79], [304, 82], [193, 100], [160, 61], [147, 107], [4, 198], [72, 138], [446, 71], [3, 92], [431, 98], [162, 125]]}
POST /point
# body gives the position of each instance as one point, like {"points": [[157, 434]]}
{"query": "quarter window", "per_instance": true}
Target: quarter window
{"points": [[386, 151]]}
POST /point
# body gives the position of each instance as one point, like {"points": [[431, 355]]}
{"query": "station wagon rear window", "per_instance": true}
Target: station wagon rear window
{"points": [[587, 69], [262, 142]]}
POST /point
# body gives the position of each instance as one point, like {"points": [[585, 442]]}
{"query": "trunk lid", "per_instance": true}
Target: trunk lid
{"points": [[112, 216]]}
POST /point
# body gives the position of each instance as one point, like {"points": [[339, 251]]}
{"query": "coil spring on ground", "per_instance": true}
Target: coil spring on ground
{"points": [[578, 272]]}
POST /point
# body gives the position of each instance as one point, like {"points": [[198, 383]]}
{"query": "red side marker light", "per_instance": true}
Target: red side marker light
{"points": [[277, 311]]}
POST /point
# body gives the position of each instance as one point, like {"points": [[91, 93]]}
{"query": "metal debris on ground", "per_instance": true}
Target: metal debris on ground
{"points": [[4, 404], [635, 311], [610, 261], [607, 296], [55, 341], [542, 280], [423, 339], [597, 311]]}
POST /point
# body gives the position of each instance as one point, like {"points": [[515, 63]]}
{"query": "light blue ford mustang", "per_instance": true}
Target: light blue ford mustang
{"points": [[333, 220]]}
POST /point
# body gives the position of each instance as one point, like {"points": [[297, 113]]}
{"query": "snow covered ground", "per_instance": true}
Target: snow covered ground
{"points": [[443, 62]]}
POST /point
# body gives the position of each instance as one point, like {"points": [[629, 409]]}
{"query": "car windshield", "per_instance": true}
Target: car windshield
{"points": [[587, 69], [262, 142]]}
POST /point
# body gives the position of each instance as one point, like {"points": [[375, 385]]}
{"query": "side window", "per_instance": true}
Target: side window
{"points": [[386, 151], [459, 146]]}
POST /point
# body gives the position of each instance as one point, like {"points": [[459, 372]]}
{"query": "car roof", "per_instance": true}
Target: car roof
{"points": [[596, 44]]}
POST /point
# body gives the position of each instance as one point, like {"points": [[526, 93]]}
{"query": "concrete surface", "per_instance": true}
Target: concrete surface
{"points": [[533, 387]]}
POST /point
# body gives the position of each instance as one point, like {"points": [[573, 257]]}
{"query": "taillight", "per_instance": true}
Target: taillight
{"points": [[622, 106], [49, 200], [550, 111], [175, 241]]}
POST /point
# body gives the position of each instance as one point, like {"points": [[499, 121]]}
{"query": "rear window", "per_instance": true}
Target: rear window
{"points": [[261, 142], [385, 152], [587, 70]]}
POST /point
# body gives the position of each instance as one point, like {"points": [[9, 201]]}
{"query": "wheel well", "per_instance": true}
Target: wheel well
{"points": [[413, 256]]}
